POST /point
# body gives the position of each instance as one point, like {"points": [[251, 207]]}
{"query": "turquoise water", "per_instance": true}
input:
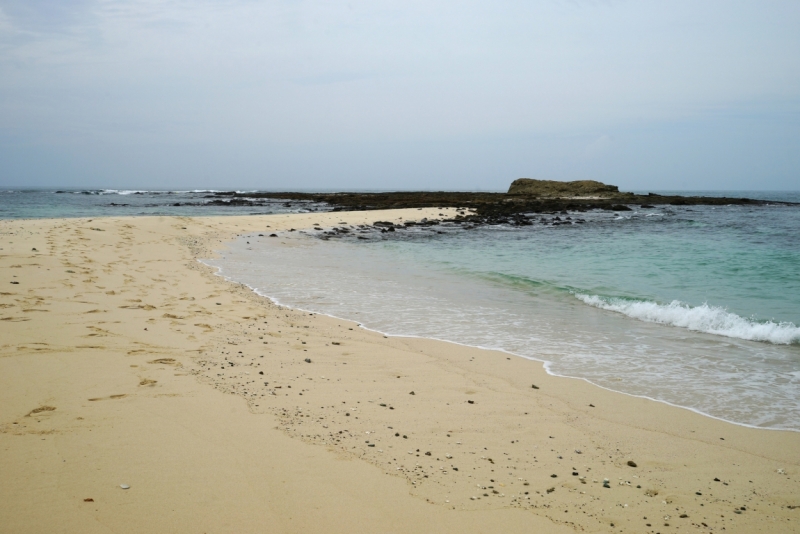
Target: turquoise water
{"points": [[695, 306], [743, 261]]}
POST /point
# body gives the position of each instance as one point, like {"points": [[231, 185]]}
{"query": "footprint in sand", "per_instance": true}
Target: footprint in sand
{"points": [[110, 397], [164, 361], [147, 382], [41, 409]]}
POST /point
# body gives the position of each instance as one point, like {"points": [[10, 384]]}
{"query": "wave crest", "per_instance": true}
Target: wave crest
{"points": [[138, 191], [709, 319]]}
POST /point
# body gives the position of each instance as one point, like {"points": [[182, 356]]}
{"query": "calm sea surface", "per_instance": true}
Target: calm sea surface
{"points": [[695, 306], [46, 203]]}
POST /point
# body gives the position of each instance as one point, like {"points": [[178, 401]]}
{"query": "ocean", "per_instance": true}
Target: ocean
{"points": [[694, 306], [68, 203]]}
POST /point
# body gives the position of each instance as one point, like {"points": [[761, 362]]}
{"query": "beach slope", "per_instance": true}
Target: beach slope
{"points": [[125, 361]]}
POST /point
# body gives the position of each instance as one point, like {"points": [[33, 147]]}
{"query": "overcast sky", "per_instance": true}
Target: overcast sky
{"points": [[700, 94]]}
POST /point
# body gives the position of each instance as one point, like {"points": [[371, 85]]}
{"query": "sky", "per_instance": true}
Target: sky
{"points": [[390, 95]]}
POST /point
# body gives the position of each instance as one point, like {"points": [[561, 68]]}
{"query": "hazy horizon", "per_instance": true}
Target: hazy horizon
{"points": [[306, 95], [325, 190]]}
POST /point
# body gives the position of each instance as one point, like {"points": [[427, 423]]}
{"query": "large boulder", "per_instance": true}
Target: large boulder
{"points": [[552, 188]]}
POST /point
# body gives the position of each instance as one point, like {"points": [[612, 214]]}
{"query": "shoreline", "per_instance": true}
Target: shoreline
{"points": [[378, 323], [544, 363], [164, 428]]}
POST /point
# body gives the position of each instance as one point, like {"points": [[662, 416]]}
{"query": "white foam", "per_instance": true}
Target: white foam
{"points": [[709, 319], [121, 192], [142, 191]]}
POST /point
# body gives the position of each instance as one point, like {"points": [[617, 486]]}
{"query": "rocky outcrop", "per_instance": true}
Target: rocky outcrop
{"points": [[554, 189], [492, 208]]}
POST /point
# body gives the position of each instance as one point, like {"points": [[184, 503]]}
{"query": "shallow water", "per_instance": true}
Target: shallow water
{"points": [[695, 306]]}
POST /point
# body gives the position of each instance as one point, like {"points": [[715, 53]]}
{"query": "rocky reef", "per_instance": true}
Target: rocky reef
{"points": [[525, 196], [525, 199]]}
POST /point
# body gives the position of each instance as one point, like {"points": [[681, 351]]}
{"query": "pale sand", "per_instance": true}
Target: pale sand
{"points": [[115, 359]]}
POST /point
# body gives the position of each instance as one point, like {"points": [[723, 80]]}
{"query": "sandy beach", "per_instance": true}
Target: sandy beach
{"points": [[126, 361]]}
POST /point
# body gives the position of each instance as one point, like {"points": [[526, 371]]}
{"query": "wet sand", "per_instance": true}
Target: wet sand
{"points": [[123, 360]]}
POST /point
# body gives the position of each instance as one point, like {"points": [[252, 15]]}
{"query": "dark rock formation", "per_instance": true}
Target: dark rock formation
{"points": [[554, 189], [517, 208]]}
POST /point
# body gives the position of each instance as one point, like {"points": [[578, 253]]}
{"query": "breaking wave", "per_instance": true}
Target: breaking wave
{"points": [[135, 192], [709, 319]]}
